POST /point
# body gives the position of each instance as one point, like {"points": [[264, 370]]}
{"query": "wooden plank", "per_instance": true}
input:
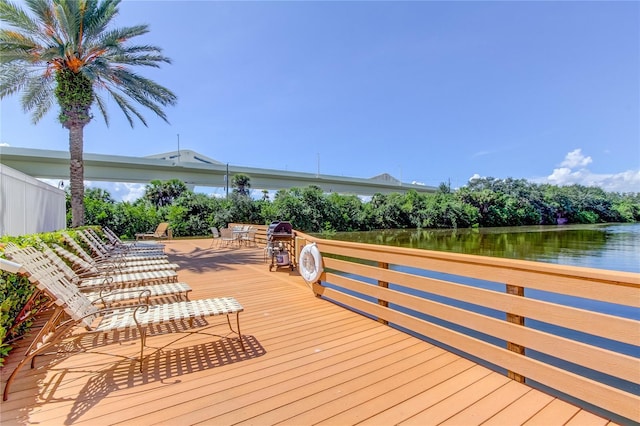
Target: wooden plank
{"points": [[585, 418], [555, 411], [519, 320], [281, 360], [428, 398], [288, 401], [619, 278], [337, 393], [521, 409], [249, 389], [369, 401], [489, 405], [457, 402]]}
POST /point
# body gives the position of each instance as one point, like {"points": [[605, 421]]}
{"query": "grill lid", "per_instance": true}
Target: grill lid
{"points": [[280, 227]]}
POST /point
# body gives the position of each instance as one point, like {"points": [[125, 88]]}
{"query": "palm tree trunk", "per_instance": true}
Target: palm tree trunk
{"points": [[76, 174]]}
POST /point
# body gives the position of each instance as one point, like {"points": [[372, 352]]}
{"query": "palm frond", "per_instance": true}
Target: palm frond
{"points": [[115, 38], [43, 10], [16, 17], [47, 26], [140, 88], [12, 79], [127, 108], [38, 93], [152, 61], [98, 17], [38, 98], [75, 11], [65, 25], [102, 107], [10, 39]]}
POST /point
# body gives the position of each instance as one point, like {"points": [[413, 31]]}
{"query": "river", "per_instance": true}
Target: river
{"points": [[604, 246]]}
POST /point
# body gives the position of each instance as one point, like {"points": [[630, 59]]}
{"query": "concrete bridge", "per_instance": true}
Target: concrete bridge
{"points": [[192, 168]]}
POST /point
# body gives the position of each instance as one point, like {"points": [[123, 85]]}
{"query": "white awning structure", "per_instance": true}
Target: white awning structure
{"points": [[28, 206]]}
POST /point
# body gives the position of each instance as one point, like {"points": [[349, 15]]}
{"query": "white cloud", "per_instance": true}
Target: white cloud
{"points": [[576, 159], [126, 191], [628, 181], [480, 154], [573, 171], [119, 191]]}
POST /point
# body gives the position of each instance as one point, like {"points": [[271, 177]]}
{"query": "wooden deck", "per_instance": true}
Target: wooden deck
{"points": [[308, 361]]}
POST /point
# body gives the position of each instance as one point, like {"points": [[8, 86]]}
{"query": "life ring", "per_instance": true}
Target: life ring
{"points": [[310, 264]]}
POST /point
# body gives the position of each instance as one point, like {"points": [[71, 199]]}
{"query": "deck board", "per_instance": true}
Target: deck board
{"points": [[308, 361]]}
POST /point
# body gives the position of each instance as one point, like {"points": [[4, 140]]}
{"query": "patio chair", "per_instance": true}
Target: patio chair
{"points": [[249, 238], [162, 231], [227, 237], [215, 235], [74, 313], [99, 260]]}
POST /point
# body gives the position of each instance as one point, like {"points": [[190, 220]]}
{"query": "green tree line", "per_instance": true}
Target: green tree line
{"points": [[485, 202]]}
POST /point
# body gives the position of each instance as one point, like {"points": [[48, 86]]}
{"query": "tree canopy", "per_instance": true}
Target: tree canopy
{"points": [[486, 203]]}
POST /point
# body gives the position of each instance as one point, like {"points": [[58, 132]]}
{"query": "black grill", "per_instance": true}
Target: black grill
{"points": [[280, 245], [279, 230]]}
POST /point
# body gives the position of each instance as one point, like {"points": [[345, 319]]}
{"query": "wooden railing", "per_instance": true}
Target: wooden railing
{"points": [[508, 313]]}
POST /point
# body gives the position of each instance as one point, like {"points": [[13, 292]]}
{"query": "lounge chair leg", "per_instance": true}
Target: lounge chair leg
{"points": [[5, 395], [239, 334], [28, 358], [143, 340], [238, 326]]}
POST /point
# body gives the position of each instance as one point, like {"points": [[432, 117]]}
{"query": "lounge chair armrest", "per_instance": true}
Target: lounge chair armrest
{"points": [[144, 295], [108, 310]]}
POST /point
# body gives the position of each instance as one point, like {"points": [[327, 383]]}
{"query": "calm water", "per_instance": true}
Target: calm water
{"points": [[605, 246]]}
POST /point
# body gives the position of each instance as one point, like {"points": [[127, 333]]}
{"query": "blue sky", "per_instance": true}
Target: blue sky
{"points": [[425, 91]]}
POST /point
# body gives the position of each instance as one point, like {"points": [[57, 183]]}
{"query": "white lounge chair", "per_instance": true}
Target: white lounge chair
{"points": [[47, 264], [162, 231]]}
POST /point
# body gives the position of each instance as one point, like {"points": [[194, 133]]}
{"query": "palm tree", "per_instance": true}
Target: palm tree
{"points": [[241, 184], [63, 50], [161, 193]]}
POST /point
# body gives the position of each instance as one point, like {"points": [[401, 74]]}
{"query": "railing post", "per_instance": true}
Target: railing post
{"points": [[384, 284], [515, 319]]}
